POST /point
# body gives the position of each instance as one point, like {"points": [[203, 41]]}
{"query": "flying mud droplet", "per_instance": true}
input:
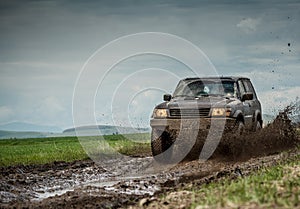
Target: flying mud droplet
{"points": [[289, 44]]}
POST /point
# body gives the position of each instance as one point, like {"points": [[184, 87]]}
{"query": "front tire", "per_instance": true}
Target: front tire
{"points": [[237, 145], [156, 143], [160, 142]]}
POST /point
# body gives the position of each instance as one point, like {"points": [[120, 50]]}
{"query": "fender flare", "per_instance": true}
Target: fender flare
{"points": [[239, 114]]}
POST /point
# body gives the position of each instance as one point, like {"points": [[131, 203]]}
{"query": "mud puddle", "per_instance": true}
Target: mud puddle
{"points": [[21, 185]]}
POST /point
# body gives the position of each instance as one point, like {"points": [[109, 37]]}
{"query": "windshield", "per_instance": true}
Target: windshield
{"points": [[205, 88]]}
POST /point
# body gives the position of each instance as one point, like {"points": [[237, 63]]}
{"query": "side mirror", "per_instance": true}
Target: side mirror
{"points": [[247, 96], [167, 97]]}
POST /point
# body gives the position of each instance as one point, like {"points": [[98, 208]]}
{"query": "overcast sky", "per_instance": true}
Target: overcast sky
{"points": [[45, 44]]}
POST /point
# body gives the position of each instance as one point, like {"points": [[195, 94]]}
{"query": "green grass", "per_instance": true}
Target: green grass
{"points": [[47, 150], [130, 144], [277, 186]]}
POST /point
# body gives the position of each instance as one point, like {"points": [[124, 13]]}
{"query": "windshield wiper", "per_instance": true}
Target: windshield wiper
{"points": [[183, 95], [201, 95], [216, 95]]}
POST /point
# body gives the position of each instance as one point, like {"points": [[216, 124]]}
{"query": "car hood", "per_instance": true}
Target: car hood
{"points": [[201, 102]]}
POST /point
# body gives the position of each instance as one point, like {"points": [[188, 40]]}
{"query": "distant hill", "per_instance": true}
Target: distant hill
{"points": [[92, 130], [28, 127], [21, 135], [103, 130]]}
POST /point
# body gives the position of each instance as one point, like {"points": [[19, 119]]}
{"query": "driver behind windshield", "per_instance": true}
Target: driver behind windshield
{"points": [[222, 89], [199, 88]]}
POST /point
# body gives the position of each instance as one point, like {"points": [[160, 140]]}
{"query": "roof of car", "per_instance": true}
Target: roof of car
{"points": [[234, 78]]}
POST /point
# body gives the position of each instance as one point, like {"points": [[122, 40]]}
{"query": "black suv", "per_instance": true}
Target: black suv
{"points": [[206, 100]]}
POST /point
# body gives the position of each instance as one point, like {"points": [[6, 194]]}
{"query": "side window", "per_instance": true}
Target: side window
{"points": [[249, 87], [236, 92], [241, 88]]}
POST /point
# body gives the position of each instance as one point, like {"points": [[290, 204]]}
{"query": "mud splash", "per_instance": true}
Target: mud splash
{"points": [[277, 136]]}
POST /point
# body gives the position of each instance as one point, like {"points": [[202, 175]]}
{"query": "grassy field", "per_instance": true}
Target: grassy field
{"points": [[277, 186], [46, 150]]}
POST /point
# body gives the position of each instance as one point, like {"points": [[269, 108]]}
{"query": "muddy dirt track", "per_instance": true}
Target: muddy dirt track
{"points": [[83, 184]]}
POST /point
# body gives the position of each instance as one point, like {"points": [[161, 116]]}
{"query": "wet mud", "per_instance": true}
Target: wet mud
{"points": [[84, 184]]}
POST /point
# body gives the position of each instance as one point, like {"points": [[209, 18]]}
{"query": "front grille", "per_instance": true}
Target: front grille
{"points": [[202, 112]]}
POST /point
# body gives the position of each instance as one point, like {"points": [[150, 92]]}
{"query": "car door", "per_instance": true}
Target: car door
{"points": [[246, 105], [254, 103]]}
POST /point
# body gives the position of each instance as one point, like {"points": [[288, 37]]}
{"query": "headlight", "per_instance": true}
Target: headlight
{"points": [[160, 113], [221, 112]]}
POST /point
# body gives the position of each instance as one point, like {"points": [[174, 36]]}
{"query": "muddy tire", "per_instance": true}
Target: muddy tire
{"points": [[237, 146], [156, 145], [239, 129], [257, 126], [160, 141]]}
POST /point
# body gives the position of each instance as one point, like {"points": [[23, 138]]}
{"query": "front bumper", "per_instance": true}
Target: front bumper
{"points": [[193, 123]]}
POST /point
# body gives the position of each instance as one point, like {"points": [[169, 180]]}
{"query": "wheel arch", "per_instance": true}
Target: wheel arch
{"points": [[239, 116]]}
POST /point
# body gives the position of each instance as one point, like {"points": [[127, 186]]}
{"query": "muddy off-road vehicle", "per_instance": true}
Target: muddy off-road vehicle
{"points": [[205, 100]]}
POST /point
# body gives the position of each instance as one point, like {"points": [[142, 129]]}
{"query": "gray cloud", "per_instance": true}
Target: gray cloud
{"points": [[248, 25]]}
